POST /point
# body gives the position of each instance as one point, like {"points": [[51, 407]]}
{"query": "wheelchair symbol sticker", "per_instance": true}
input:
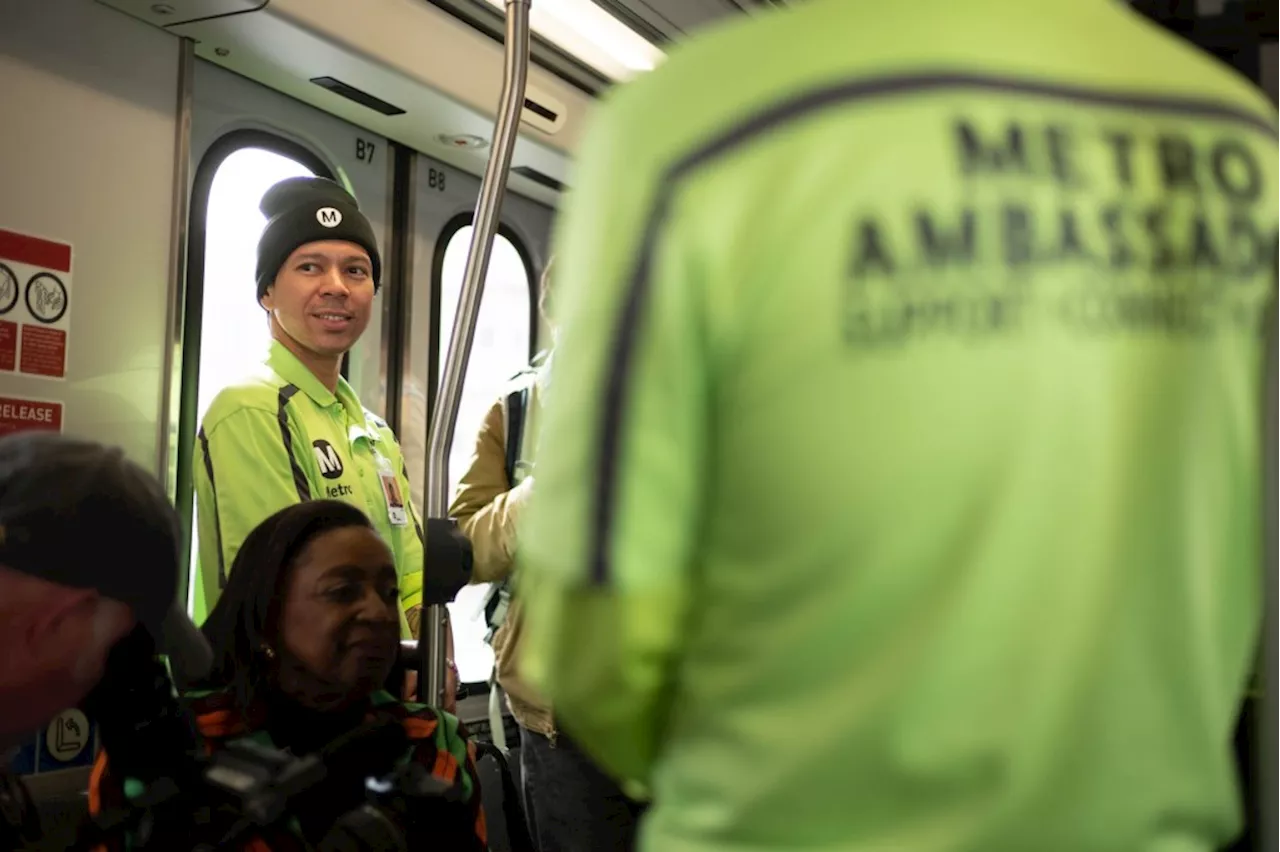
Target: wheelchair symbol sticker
{"points": [[67, 735]]}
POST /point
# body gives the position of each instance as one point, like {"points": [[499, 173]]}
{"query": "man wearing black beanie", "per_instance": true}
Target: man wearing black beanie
{"points": [[295, 430]]}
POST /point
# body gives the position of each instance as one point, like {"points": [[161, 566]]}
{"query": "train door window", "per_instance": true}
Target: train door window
{"points": [[234, 333], [500, 349]]}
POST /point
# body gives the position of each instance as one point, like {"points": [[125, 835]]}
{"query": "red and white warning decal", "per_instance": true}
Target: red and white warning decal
{"points": [[29, 415], [35, 304]]}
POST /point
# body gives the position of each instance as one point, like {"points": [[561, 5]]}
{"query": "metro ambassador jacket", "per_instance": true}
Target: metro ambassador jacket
{"points": [[280, 437]]}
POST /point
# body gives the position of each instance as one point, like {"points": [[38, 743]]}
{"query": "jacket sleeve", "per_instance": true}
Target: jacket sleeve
{"points": [[486, 506], [244, 474], [450, 756], [608, 542], [465, 749]]}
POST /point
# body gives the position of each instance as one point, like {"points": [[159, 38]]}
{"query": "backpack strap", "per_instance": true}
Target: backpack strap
{"points": [[499, 598], [517, 401], [497, 730]]}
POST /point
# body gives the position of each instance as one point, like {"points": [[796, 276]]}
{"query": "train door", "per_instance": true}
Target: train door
{"points": [[244, 139], [507, 335]]}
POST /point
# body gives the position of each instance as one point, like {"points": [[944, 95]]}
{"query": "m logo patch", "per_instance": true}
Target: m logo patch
{"points": [[327, 458], [329, 217]]}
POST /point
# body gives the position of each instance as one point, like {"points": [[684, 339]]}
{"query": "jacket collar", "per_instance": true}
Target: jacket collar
{"points": [[287, 366]]}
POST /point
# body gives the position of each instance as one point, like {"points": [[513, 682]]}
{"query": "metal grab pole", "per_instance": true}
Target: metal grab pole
{"points": [[444, 418]]}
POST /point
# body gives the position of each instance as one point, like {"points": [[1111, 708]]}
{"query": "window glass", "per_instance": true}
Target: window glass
{"points": [[234, 334], [499, 350]]}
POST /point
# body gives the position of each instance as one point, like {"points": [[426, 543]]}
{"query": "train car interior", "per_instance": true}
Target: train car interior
{"points": [[141, 136]]}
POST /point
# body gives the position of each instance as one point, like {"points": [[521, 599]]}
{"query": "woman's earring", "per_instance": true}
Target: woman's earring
{"points": [[266, 650]]}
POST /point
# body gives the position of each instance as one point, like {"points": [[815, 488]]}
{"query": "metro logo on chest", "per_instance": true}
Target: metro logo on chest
{"points": [[327, 458], [329, 462]]}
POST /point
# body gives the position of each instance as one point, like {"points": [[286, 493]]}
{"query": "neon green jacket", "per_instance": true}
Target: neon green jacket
{"points": [[898, 475], [280, 437]]}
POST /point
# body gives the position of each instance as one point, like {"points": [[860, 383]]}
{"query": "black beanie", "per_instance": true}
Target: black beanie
{"points": [[305, 210]]}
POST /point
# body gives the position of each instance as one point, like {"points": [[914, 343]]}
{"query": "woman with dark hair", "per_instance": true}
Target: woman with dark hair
{"points": [[304, 637]]}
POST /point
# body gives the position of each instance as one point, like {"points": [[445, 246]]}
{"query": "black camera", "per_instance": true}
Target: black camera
{"points": [[196, 801]]}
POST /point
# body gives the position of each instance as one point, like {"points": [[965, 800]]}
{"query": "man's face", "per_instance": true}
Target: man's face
{"points": [[55, 640], [323, 295]]}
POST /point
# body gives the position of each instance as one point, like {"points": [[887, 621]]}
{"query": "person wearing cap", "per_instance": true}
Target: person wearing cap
{"points": [[295, 430], [63, 503]]}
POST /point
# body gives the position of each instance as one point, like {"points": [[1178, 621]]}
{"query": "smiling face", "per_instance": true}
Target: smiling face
{"points": [[322, 297], [339, 629]]}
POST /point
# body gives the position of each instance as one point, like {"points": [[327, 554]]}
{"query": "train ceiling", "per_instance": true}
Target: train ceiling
{"points": [[663, 21], [1232, 30]]}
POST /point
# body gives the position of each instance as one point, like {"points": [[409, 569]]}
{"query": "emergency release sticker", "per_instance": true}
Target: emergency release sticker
{"points": [[28, 415]]}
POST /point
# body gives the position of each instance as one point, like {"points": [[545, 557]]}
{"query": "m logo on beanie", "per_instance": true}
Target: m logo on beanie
{"points": [[303, 210]]}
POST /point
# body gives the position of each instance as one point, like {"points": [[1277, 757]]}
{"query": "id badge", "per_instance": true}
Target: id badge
{"points": [[397, 513]]}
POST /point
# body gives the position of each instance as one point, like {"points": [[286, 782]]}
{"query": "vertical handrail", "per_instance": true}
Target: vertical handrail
{"points": [[180, 207], [444, 418]]}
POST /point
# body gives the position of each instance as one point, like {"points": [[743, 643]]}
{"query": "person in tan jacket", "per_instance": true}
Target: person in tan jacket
{"points": [[570, 805]]}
